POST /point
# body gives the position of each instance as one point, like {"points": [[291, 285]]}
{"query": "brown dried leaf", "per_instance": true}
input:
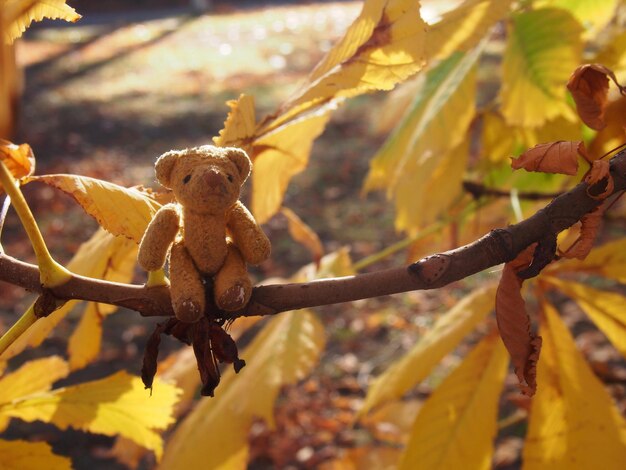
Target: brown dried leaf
{"points": [[552, 157], [19, 159], [589, 86], [590, 225], [514, 323], [598, 172]]}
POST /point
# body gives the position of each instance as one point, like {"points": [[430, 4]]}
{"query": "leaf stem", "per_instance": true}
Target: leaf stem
{"points": [[27, 319], [51, 273], [406, 242]]}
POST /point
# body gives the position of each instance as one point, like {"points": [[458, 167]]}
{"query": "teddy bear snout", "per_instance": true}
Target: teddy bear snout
{"points": [[213, 179]]}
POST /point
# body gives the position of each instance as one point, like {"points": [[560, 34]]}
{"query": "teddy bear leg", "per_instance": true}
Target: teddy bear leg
{"points": [[232, 284], [187, 289]]}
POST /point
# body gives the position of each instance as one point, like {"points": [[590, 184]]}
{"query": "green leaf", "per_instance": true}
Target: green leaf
{"points": [[544, 47]]}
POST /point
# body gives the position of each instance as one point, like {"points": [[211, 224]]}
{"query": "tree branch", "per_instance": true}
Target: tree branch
{"points": [[498, 246]]}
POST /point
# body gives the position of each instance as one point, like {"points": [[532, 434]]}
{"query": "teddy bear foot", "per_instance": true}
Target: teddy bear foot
{"points": [[234, 298], [186, 310]]}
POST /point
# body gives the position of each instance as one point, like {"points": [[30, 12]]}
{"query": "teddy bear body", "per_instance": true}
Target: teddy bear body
{"points": [[208, 232]]}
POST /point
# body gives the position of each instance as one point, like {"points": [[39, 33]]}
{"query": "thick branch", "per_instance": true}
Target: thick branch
{"points": [[499, 246]]}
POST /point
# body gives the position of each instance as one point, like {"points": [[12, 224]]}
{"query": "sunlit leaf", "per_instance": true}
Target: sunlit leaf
{"points": [[593, 15], [543, 48], [434, 126], [445, 335], [117, 404], [573, 422], [382, 47], [84, 344], [457, 425], [18, 14], [303, 234], [119, 210], [463, 27], [240, 126], [102, 257], [283, 352], [606, 309], [24, 455], [18, 159], [608, 260], [514, 323], [278, 156], [552, 157], [33, 377]]}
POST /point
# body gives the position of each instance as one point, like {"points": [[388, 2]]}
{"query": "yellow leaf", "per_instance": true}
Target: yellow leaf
{"points": [[573, 423], [393, 421], [498, 139], [382, 47], [18, 159], [240, 126], [593, 15], [303, 234], [278, 156], [33, 377], [608, 260], [614, 133], [457, 425], [119, 210], [335, 264], [24, 455], [543, 49], [463, 27], [424, 143], [117, 404], [215, 434], [606, 309], [102, 257], [18, 14], [447, 332], [84, 344]]}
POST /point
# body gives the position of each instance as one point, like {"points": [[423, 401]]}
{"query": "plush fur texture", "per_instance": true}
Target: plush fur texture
{"points": [[210, 232]]}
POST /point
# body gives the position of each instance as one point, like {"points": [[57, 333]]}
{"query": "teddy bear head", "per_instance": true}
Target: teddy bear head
{"points": [[205, 179]]}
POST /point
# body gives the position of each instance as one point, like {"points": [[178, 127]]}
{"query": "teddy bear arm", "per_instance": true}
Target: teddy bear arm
{"points": [[248, 237], [158, 237]]}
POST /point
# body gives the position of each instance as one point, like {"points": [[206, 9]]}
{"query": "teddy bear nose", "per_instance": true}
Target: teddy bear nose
{"points": [[212, 178]]}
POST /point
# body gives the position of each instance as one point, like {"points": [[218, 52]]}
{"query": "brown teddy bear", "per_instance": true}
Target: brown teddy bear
{"points": [[211, 233]]}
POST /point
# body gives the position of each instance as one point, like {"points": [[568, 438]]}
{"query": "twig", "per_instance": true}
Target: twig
{"points": [[498, 246], [478, 190]]}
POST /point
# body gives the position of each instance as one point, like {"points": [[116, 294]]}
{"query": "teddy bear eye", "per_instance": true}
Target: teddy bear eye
{"points": [[186, 179], [230, 178]]}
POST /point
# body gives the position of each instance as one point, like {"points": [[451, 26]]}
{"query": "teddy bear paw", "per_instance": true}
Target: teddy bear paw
{"points": [[234, 298], [188, 311]]}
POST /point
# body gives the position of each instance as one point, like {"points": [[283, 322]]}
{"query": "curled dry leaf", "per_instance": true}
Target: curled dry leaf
{"points": [[19, 159], [600, 171], [589, 227], [589, 86], [514, 322], [552, 157]]}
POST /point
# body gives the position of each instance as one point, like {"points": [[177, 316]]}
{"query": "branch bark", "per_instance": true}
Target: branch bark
{"points": [[498, 246]]}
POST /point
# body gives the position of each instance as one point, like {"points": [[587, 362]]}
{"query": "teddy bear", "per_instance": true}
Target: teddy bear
{"points": [[208, 232]]}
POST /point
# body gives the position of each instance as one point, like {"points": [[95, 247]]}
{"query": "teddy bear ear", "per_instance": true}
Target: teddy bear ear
{"points": [[164, 166], [241, 161]]}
